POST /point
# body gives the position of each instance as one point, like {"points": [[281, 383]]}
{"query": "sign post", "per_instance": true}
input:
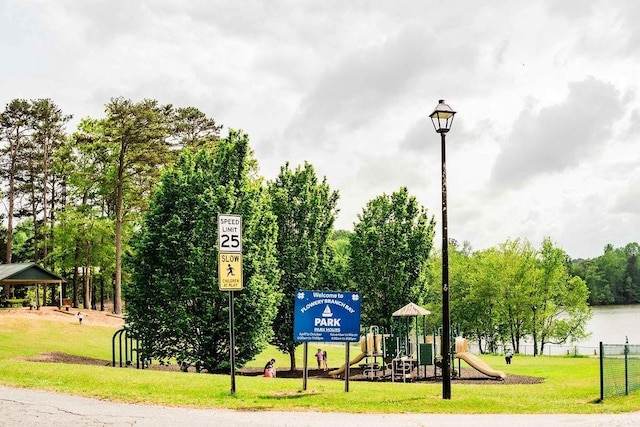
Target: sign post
{"points": [[327, 316], [230, 274]]}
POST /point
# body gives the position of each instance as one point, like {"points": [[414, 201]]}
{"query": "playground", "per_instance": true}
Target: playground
{"points": [[467, 374], [407, 351]]}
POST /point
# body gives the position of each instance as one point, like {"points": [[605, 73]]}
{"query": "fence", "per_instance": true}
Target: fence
{"points": [[619, 369], [559, 350]]}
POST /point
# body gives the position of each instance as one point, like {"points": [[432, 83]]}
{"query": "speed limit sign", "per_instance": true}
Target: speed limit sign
{"points": [[229, 233]]}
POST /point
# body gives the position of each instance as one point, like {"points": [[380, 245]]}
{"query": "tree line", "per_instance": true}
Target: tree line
{"points": [[73, 199], [613, 277], [126, 205]]}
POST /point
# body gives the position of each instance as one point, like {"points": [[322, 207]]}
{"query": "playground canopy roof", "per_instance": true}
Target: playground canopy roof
{"points": [[27, 274], [411, 310]]}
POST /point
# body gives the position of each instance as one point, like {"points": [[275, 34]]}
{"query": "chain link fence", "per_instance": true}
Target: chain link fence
{"points": [[619, 369]]}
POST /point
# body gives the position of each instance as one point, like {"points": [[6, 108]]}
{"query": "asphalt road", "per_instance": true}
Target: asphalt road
{"points": [[22, 407]]}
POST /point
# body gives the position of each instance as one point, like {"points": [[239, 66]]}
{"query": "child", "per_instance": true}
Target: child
{"points": [[269, 369], [319, 357]]}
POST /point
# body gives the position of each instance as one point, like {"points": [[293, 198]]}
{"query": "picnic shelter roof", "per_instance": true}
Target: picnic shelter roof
{"points": [[26, 274]]}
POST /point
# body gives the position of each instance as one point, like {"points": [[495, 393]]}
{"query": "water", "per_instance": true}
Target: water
{"points": [[609, 324]]}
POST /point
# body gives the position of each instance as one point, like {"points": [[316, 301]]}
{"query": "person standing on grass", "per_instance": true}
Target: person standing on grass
{"points": [[80, 317], [324, 360], [319, 357]]}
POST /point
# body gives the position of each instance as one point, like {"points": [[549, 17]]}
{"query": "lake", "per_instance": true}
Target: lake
{"points": [[609, 324]]}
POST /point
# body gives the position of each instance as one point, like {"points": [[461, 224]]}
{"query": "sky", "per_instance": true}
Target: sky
{"points": [[544, 142]]}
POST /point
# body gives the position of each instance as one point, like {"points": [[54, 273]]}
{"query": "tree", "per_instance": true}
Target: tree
{"points": [[134, 137], [174, 305], [390, 246], [305, 210], [517, 274], [338, 274], [16, 126], [631, 285], [84, 164], [475, 296], [33, 131], [558, 300], [83, 244], [605, 278], [191, 128], [48, 137]]}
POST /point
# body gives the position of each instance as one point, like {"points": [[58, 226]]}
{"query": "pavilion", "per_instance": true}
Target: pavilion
{"points": [[30, 274]]}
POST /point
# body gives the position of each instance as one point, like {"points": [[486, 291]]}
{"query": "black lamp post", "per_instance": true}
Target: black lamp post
{"points": [[442, 118]]}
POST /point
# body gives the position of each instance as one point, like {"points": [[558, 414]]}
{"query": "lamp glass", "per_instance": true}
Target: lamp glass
{"points": [[442, 117]]}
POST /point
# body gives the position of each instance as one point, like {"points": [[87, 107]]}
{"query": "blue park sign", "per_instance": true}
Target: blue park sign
{"points": [[324, 316]]}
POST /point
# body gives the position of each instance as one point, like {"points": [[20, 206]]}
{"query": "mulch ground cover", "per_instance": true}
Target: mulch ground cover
{"points": [[467, 375]]}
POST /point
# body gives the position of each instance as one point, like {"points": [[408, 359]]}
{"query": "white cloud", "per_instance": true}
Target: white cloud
{"points": [[559, 136], [544, 142]]}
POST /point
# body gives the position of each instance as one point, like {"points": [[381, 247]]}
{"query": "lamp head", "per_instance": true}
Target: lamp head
{"points": [[442, 117]]}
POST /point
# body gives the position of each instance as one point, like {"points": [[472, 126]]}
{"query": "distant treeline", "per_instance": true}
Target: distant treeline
{"points": [[612, 278]]}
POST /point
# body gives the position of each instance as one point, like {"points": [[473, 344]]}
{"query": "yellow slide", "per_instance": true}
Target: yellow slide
{"points": [[479, 365], [344, 365]]}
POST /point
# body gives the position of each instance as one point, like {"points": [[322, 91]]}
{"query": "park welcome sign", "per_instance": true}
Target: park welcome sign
{"points": [[326, 316]]}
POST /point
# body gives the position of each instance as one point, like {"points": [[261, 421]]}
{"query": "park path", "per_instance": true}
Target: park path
{"points": [[34, 408]]}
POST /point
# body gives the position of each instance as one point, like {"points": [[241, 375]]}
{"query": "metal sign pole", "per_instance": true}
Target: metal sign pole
{"points": [[232, 349], [305, 372], [346, 369], [230, 275]]}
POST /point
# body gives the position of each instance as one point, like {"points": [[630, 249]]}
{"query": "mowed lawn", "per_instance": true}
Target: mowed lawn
{"points": [[571, 385]]}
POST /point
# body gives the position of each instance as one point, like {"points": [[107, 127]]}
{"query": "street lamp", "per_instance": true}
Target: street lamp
{"points": [[442, 118]]}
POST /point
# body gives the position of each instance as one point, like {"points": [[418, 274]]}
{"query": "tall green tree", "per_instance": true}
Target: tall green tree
{"points": [[305, 209], [517, 278], [16, 126], [630, 291], [338, 274], [605, 276], [390, 246], [48, 137], [134, 137], [475, 296], [191, 128], [85, 164], [558, 301], [174, 304]]}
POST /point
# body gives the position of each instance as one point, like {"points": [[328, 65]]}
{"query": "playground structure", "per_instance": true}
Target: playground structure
{"points": [[398, 356], [393, 358], [462, 353]]}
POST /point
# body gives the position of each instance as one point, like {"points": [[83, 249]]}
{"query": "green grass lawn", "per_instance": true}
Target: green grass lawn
{"points": [[570, 385]]}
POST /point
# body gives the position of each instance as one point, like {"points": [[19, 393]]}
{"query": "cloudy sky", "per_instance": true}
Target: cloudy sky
{"points": [[544, 143]]}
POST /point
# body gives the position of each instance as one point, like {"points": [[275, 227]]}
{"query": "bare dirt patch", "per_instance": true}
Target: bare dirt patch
{"points": [[91, 317]]}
